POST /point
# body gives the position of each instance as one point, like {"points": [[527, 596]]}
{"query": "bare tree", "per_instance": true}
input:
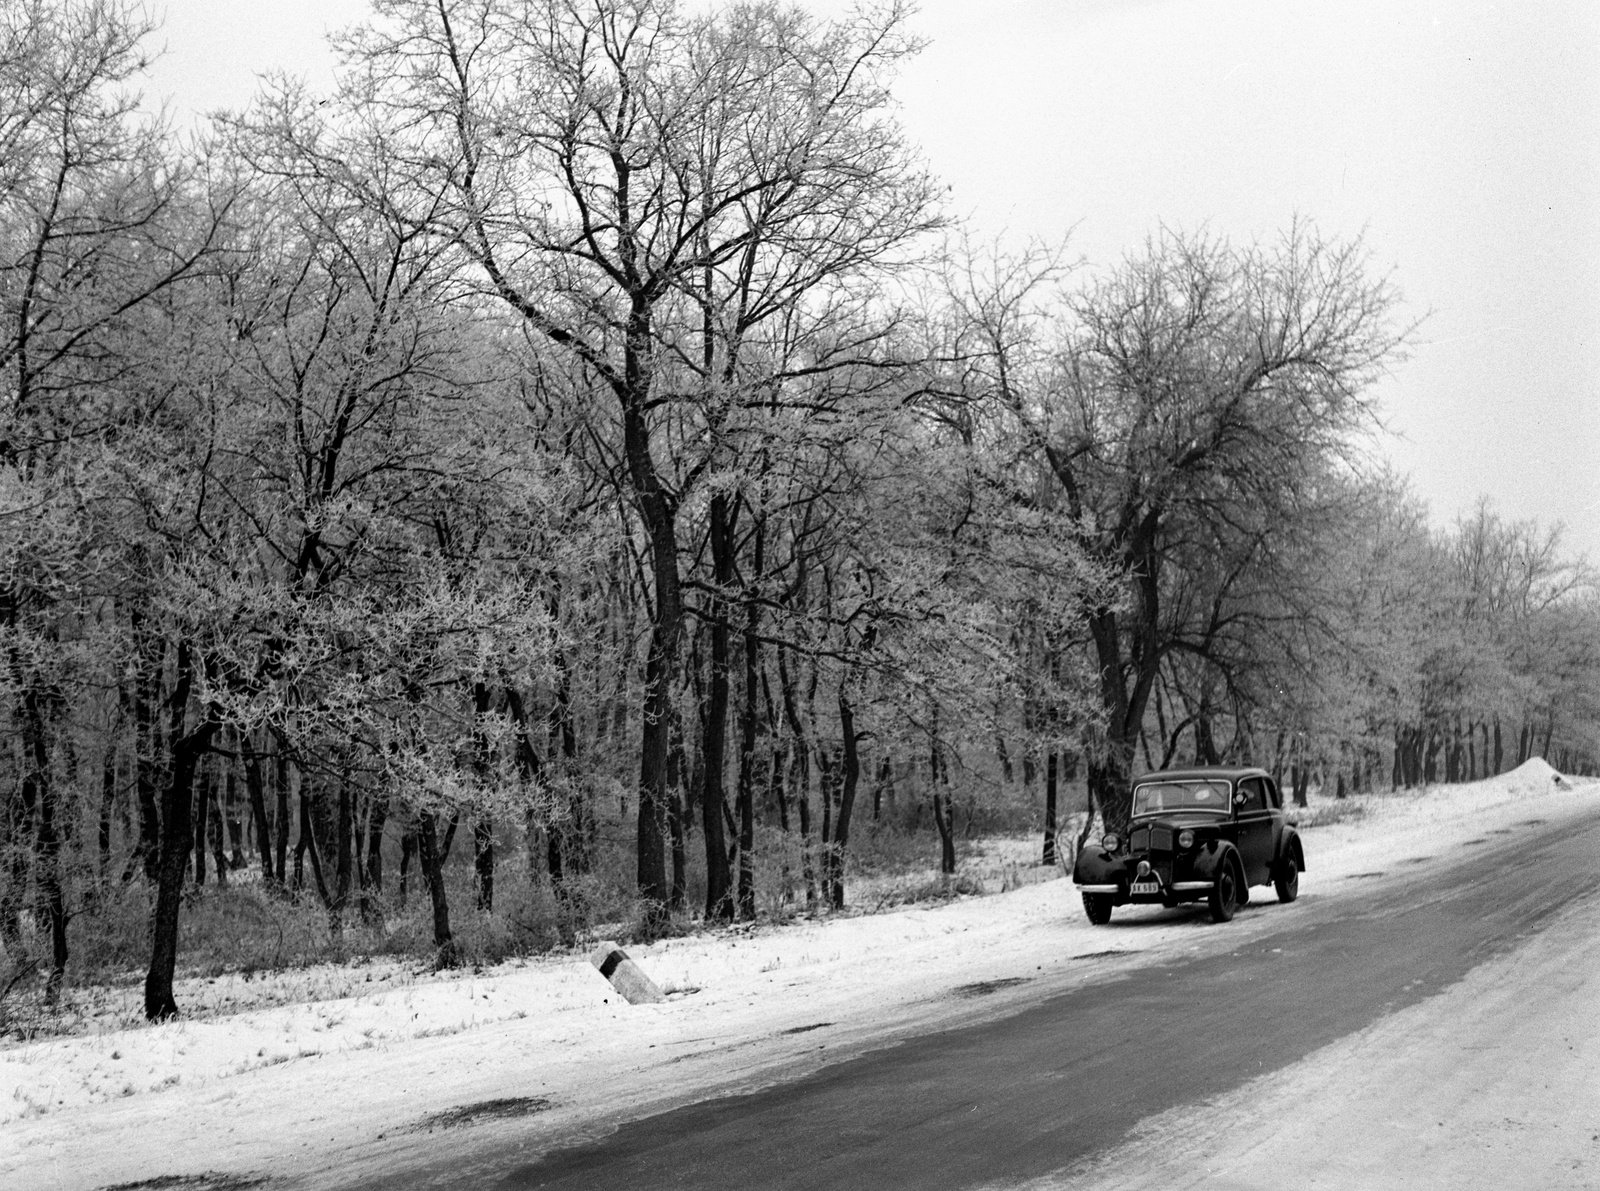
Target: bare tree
{"points": [[1195, 390], [600, 160], [98, 223]]}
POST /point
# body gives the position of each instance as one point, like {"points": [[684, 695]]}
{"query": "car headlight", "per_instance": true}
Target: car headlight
{"points": [[1109, 841], [1186, 840]]}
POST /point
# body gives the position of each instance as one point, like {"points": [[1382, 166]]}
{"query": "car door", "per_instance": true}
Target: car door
{"points": [[1252, 813]]}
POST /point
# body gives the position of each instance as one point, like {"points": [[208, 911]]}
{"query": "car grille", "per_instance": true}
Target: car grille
{"points": [[1150, 839]]}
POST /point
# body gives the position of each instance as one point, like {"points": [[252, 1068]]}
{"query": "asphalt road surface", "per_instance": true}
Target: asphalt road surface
{"points": [[1019, 1097]]}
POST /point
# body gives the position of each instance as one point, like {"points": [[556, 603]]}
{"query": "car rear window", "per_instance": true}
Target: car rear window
{"points": [[1150, 798]]}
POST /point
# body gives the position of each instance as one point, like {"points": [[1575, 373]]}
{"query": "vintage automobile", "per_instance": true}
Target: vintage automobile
{"points": [[1204, 834]]}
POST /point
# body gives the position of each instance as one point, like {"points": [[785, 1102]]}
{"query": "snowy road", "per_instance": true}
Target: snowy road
{"points": [[1193, 1055]]}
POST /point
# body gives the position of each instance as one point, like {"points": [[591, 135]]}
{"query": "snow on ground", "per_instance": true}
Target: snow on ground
{"points": [[362, 1073]]}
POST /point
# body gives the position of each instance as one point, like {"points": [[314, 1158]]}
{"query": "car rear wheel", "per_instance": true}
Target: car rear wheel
{"points": [[1224, 898], [1287, 879], [1098, 907]]}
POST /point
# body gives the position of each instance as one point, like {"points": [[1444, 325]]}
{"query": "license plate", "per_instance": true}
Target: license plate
{"points": [[1146, 887]]}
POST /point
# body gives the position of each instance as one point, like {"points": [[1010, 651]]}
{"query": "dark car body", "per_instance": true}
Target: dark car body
{"points": [[1202, 834]]}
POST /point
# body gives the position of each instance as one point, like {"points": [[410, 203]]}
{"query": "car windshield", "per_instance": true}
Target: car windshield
{"points": [[1150, 798]]}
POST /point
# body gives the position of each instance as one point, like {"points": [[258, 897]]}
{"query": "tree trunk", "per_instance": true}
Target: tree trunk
{"points": [[483, 772], [306, 845], [1110, 782], [943, 819], [575, 830], [344, 844], [408, 849], [377, 818], [748, 720], [1088, 819], [943, 812], [808, 872], [201, 820], [218, 830], [777, 792], [483, 861], [449, 837], [147, 744], [828, 780], [1205, 744], [849, 779], [1124, 706], [47, 834], [529, 768], [280, 824], [1144, 747], [431, 858], [108, 807], [236, 827], [677, 812], [802, 775], [1030, 752], [1050, 777], [177, 837], [13, 878], [714, 718], [1499, 750], [255, 788], [660, 518]]}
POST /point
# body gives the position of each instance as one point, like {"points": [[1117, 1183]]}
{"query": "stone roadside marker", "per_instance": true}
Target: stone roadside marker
{"points": [[636, 988]]}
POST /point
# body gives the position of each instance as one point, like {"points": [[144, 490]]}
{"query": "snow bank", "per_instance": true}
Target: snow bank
{"points": [[329, 1078]]}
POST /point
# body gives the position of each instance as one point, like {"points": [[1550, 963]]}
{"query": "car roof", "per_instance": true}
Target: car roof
{"points": [[1225, 773]]}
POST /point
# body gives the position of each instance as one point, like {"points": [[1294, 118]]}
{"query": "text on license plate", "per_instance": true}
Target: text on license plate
{"points": [[1146, 887]]}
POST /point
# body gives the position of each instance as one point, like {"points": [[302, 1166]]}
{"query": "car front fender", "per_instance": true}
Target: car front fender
{"points": [[1208, 861], [1096, 866]]}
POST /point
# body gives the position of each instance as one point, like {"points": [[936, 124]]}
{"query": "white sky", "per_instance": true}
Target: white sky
{"points": [[1462, 137]]}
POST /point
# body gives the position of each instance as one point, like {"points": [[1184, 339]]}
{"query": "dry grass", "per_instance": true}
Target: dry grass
{"points": [[234, 933]]}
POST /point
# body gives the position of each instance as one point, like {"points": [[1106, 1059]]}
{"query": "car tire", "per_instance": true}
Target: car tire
{"points": [[1098, 907], [1224, 897], [1286, 880]]}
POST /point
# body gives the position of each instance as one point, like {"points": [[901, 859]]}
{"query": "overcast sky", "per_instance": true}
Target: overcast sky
{"points": [[1461, 138]]}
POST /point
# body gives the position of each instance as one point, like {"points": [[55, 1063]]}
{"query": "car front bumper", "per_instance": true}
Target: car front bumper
{"points": [[1167, 888]]}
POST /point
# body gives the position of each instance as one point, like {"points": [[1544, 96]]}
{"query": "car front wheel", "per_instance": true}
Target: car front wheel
{"points": [[1287, 880], [1098, 907], [1224, 899]]}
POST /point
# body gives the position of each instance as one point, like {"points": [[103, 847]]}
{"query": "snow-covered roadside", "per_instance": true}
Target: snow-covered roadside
{"points": [[297, 1089]]}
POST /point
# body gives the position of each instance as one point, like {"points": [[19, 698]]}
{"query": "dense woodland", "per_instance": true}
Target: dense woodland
{"points": [[579, 472]]}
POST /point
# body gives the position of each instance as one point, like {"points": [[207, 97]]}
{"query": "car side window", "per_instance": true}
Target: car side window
{"points": [[1252, 795]]}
